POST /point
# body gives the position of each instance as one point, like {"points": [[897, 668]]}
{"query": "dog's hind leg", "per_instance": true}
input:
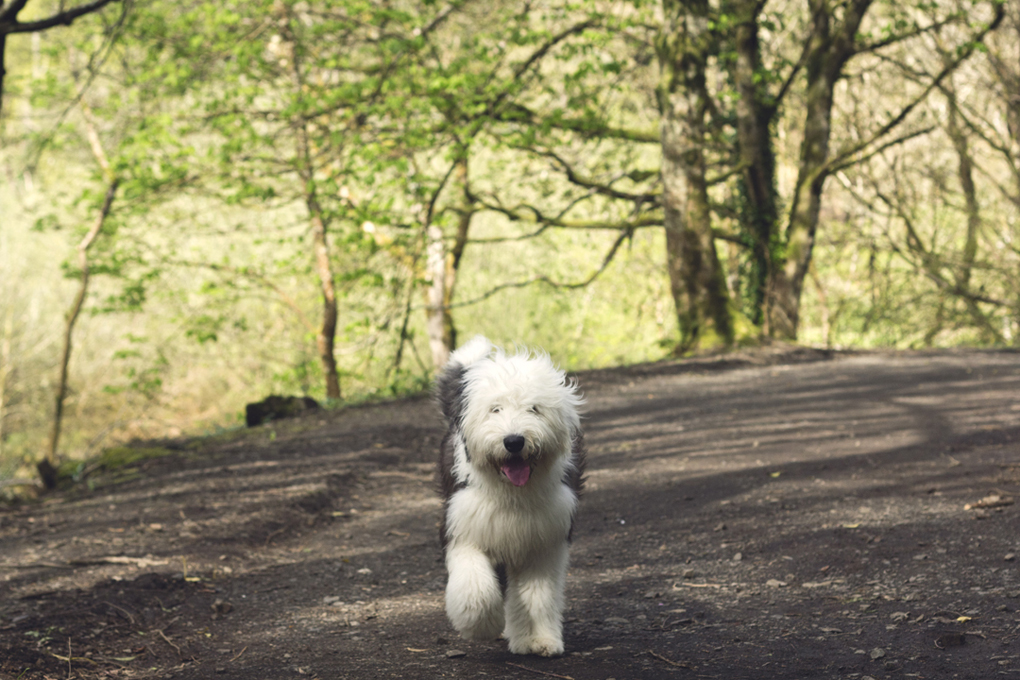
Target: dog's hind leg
{"points": [[534, 605], [474, 601]]}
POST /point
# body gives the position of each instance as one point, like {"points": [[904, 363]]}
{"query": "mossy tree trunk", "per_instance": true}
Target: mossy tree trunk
{"points": [[696, 278], [755, 110], [830, 45]]}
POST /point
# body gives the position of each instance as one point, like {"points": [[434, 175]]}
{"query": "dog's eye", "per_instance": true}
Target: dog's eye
{"points": [[496, 409], [534, 409]]}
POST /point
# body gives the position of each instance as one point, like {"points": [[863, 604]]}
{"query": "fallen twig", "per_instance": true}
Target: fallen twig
{"points": [[140, 562], [130, 618], [170, 642], [273, 535], [239, 655], [535, 670], [995, 500], [36, 565], [698, 585], [660, 657]]}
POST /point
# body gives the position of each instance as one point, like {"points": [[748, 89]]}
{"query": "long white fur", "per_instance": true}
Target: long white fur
{"points": [[490, 521]]}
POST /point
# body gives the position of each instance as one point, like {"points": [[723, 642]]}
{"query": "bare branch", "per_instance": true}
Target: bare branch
{"points": [[798, 65], [517, 113], [9, 18], [540, 53], [841, 159], [587, 183], [891, 143], [913, 33], [255, 276], [624, 234]]}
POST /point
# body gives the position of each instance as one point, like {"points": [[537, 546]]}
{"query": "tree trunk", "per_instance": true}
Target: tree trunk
{"points": [[326, 337], [963, 269], [696, 278], [443, 267], [6, 360], [3, 69], [438, 322], [828, 51], [327, 333], [754, 113], [48, 466]]}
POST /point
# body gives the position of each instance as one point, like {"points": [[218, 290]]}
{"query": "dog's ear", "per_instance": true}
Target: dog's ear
{"points": [[450, 392], [476, 349], [451, 381]]}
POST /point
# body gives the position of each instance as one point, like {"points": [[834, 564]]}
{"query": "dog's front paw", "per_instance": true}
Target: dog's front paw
{"points": [[482, 626], [541, 646], [476, 620]]}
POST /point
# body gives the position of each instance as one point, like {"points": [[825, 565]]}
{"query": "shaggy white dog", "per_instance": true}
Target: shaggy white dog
{"points": [[511, 469]]}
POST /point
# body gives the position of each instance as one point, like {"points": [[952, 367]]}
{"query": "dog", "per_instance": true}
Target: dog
{"points": [[511, 472]]}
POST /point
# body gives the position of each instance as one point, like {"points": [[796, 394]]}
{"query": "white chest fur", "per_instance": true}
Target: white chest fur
{"points": [[511, 524]]}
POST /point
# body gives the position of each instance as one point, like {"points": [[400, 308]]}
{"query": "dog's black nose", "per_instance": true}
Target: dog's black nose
{"points": [[514, 443]]}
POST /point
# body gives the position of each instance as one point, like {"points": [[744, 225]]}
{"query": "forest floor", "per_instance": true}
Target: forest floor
{"points": [[779, 513]]}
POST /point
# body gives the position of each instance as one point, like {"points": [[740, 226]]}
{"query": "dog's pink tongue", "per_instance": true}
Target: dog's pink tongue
{"points": [[517, 471]]}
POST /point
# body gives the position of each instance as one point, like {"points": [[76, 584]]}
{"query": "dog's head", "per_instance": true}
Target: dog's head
{"points": [[519, 414]]}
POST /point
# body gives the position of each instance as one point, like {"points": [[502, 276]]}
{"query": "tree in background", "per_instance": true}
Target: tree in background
{"points": [[48, 466], [685, 45], [308, 109], [11, 24], [833, 39]]}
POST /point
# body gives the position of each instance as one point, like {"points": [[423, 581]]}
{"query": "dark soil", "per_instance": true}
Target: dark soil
{"points": [[776, 514]]}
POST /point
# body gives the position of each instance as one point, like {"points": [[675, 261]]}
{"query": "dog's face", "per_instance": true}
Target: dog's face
{"points": [[520, 414]]}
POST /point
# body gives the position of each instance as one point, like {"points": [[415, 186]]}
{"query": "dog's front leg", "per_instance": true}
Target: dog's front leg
{"points": [[535, 603], [474, 602]]}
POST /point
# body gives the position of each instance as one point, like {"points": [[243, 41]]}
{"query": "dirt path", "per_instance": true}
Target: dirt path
{"points": [[774, 515]]}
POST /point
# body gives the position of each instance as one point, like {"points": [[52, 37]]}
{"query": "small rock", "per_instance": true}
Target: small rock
{"points": [[364, 570], [920, 557], [738, 557], [1009, 557], [950, 640], [899, 616], [330, 599], [455, 654], [721, 526], [877, 653], [221, 608], [689, 573], [775, 583]]}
